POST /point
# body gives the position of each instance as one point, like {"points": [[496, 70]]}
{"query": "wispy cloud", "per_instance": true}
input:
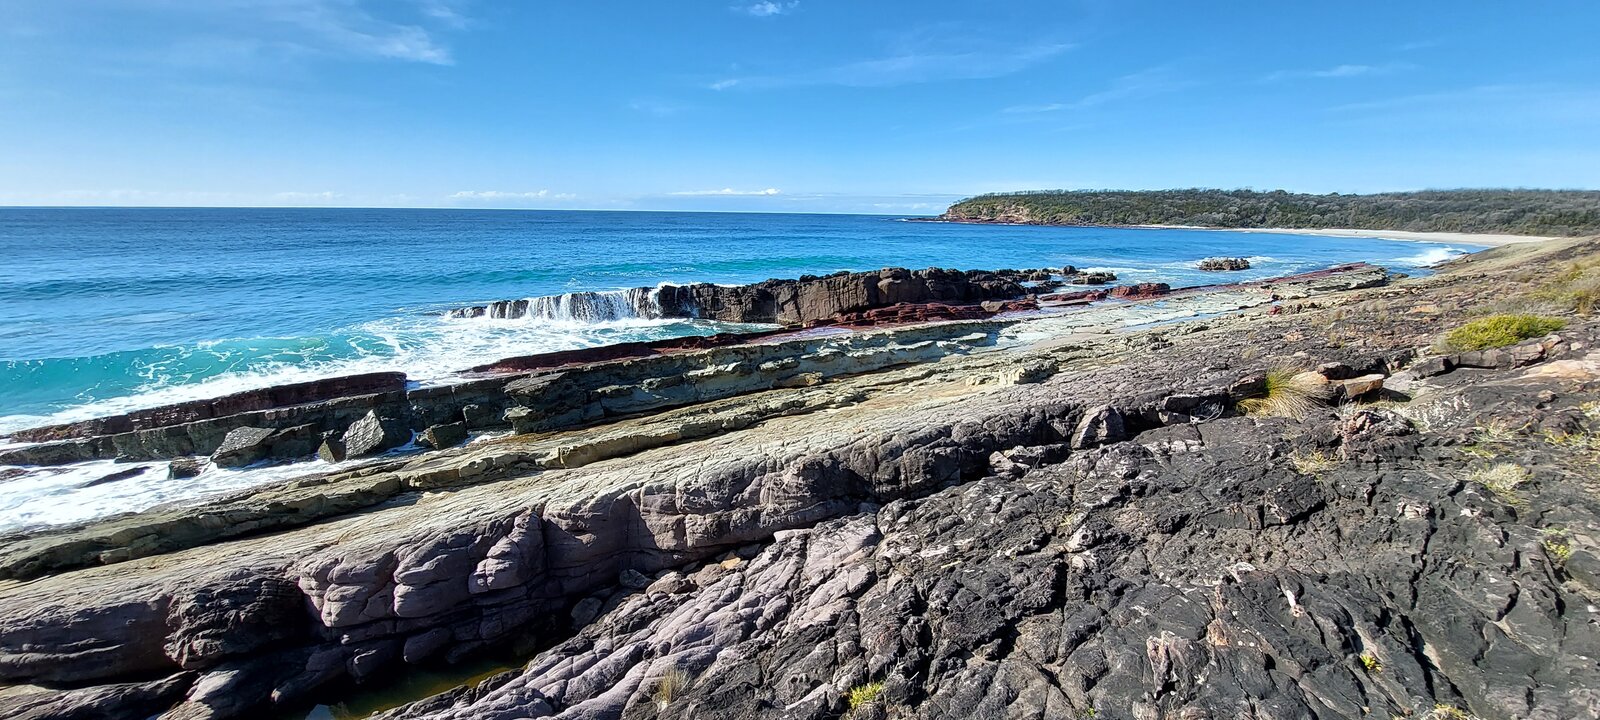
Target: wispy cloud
{"points": [[658, 108], [1534, 105], [348, 27], [919, 57], [501, 195], [1340, 71], [326, 196], [767, 8], [727, 192], [1144, 83]]}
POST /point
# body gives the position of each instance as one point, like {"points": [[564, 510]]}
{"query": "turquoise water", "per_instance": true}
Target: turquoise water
{"points": [[104, 310]]}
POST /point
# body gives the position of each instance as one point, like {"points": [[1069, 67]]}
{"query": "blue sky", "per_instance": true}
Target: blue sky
{"points": [[791, 105]]}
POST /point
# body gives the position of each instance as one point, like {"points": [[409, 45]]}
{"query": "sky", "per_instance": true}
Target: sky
{"points": [[781, 105]]}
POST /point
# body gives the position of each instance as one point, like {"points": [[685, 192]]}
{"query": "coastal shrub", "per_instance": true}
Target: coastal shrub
{"points": [[1501, 330], [1290, 393]]}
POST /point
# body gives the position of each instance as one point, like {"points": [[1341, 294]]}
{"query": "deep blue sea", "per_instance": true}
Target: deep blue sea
{"points": [[104, 310]]}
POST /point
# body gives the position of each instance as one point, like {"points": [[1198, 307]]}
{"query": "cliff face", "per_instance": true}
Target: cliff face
{"points": [[896, 522]]}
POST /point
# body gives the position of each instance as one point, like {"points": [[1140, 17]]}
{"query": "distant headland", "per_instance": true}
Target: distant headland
{"points": [[1559, 213]]}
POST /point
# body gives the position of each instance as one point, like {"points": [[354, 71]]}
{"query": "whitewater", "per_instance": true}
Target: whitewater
{"points": [[104, 311]]}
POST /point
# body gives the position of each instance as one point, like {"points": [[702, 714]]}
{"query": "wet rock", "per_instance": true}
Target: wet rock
{"points": [[523, 420], [478, 416], [373, 434], [300, 441], [114, 477], [184, 467], [331, 449], [243, 446], [1092, 278], [443, 436], [1217, 264]]}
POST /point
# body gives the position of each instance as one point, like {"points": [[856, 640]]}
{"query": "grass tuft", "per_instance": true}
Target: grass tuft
{"points": [[1289, 394], [1312, 463], [670, 686], [1502, 480], [1501, 330]]}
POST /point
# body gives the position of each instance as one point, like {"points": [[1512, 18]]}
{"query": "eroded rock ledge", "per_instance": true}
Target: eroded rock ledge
{"points": [[1084, 524]]}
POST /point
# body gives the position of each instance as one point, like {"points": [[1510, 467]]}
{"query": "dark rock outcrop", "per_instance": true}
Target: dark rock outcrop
{"points": [[1221, 264], [797, 302], [1140, 290]]}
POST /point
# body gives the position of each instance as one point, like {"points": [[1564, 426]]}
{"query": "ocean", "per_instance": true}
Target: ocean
{"points": [[105, 310]]}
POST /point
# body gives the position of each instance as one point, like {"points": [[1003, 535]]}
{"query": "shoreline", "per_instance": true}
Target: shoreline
{"points": [[1480, 239]]}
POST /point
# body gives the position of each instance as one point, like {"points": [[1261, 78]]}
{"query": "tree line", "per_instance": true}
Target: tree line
{"points": [[1522, 212]]}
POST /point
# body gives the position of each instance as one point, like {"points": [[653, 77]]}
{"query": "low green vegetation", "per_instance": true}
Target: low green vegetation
{"points": [[1371, 663], [1557, 545], [1527, 212], [1501, 330], [862, 695], [1289, 393]]}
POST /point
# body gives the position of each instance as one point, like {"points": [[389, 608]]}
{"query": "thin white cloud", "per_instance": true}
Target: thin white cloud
{"points": [[917, 61], [351, 28], [1339, 71], [1144, 83], [767, 8], [323, 197], [728, 192], [504, 196]]}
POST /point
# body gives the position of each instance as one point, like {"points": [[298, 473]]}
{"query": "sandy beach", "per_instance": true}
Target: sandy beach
{"points": [[1486, 239]]}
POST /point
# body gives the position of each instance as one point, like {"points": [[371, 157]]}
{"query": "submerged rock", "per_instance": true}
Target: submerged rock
{"points": [[1220, 264]]}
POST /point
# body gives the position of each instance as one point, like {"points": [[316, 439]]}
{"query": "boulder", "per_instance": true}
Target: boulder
{"points": [[331, 450], [523, 419], [1140, 290], [1361, 386], [373, 434], [184, 467], [1092, 278], [1100, 425], [446, 435], [243, 446], [1218, 264], [294, 442], [114, 477]]}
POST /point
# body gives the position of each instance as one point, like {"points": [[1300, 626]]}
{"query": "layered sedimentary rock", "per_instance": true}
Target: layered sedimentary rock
{"points": [[787, 302], [1085, 525]]}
